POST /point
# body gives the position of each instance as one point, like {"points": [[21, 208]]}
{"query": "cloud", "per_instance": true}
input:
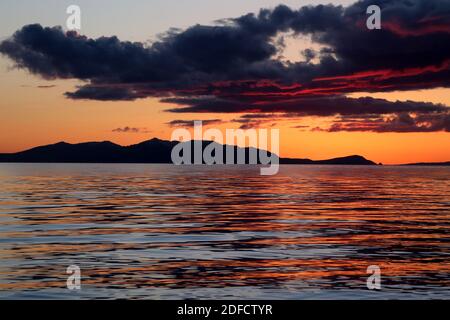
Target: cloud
{"points": [[249, 123], [130, 130], [102, 93], [233, 66], [402, 123], [257, 120], [190, 123], [314, 106]]}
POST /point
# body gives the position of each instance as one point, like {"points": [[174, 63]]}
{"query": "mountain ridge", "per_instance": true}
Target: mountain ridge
{"points": [[149, 151]]}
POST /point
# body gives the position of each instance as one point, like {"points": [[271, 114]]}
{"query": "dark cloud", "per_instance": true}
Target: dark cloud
{"points": [[103, 93], [321, 106], [257, 120], [403, 122], [190, 123], [233, 67], [130, 130], [250, 123]]}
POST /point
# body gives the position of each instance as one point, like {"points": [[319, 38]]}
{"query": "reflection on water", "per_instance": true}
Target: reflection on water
{"points": [[159, 231]]}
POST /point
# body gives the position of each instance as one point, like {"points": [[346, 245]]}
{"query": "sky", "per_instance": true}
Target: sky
{"points": [[338, 98]]}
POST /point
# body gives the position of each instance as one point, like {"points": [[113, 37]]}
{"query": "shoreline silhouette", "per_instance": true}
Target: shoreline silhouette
{"points": [[151, 151]]}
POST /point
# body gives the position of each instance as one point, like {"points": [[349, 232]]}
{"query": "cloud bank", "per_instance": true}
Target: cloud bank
{"points": [[232, 67]]}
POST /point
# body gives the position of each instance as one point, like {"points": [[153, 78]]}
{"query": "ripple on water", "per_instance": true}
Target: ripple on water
{"points": [[161, 231]]}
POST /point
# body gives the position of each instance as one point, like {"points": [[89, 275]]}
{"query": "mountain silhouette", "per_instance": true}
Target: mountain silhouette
{"points": [[150, 151], [350, 160]]}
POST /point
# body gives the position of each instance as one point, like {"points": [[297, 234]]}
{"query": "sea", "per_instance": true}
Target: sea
{"points": [[150, 231]]}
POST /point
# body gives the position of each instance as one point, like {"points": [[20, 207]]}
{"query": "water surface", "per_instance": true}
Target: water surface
{"points": [[223, 232]]}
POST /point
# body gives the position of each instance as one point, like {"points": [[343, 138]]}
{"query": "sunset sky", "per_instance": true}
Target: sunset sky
{"points": [[332, 87]]}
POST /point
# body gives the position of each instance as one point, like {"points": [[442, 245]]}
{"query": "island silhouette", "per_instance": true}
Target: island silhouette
{"points": [[150, 151]]}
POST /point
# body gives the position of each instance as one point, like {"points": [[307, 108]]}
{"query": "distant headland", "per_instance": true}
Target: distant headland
{"points": [[150, 151]]}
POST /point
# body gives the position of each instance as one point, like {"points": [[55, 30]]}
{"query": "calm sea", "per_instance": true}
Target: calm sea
{"points": [[166, 232]]}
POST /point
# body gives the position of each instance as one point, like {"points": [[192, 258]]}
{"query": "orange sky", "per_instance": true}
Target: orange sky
{"points": [[34, 116]]}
